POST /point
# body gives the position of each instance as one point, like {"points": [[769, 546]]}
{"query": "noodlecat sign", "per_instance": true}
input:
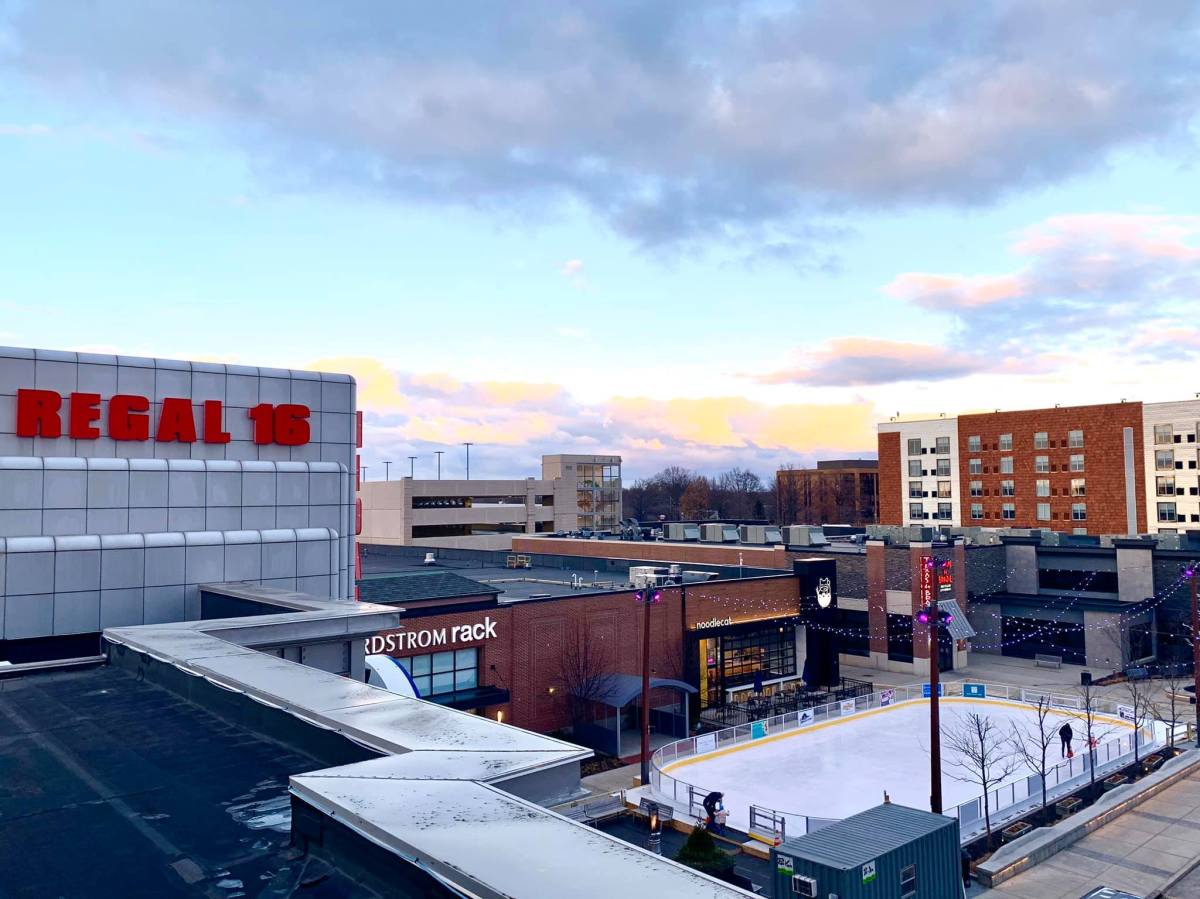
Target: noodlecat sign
{"points": [[47, 413]]}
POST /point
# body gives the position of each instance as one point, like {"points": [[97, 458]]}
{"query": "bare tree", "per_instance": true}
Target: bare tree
{"points": [[673, 481], [1095, 729], [1031, 742], [696, 500], [786, 498], [1170, 710], [980, 753], [1138, 694], [585, 676]]}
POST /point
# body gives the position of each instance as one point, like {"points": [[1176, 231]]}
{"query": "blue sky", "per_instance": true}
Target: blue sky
{"points": [[699, 234]]}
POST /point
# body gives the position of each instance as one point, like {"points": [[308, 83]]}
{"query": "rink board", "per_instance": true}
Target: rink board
{"points": [[838, 767]]}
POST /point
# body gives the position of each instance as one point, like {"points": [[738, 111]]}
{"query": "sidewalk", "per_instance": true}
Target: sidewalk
{"points": [[1141, 852]]}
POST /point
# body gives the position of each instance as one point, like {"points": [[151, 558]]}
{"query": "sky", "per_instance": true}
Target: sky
{"points": [[697, 233]]}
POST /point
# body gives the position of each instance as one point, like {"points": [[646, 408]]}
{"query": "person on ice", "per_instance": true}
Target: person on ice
{"points": [[1066, 735], [715, 814]]}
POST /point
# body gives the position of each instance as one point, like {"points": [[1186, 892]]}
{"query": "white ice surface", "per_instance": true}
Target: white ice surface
{"points": [[839, 768]]}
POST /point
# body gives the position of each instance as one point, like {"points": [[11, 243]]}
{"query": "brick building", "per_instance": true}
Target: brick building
{"points": [[1116, 468], [837, 491]]}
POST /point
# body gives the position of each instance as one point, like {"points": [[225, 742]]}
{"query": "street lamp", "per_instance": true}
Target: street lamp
{"points": [[363, 469], [468, 446], [1191, 572], [387, 471], [929, 614], [438, 453], [412, 466], [647, 598]]}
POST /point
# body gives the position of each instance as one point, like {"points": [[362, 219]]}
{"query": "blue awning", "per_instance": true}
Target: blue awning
{"points": [[624, 688]]}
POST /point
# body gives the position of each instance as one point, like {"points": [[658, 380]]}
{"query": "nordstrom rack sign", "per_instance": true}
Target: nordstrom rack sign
{"points": [[407, 641]]}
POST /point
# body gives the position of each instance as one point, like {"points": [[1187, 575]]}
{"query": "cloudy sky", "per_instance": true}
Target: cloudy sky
{"points": [[686, 232]]}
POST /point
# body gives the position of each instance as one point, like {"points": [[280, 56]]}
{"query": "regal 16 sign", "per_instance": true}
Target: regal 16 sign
{"points": [[47, 413]]}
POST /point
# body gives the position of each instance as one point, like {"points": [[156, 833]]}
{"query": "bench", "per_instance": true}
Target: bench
{"points": [[665, 812], [1046, 661], [599, 810]]}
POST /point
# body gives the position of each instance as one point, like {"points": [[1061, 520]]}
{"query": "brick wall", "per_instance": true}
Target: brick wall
{"points": [[891, 479], [877, 596], [699, 553], [1104, 469], [526, 656]]}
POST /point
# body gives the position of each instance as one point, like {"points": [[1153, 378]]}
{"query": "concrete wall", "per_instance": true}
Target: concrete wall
{"points": [[1135, 573], [1022, 563]]}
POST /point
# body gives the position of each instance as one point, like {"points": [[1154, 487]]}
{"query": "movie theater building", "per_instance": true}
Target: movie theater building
{"points": [[127, 483], [529, 662]]}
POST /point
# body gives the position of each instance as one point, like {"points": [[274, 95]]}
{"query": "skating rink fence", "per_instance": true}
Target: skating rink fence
{"points": [[1006, 802]]}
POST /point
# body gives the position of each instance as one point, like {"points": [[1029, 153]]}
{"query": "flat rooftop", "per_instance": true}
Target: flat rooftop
{"points": [[114, 787]]}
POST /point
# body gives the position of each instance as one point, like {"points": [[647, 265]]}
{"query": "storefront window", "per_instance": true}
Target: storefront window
{"points": [[443, 672], [732, 659]]}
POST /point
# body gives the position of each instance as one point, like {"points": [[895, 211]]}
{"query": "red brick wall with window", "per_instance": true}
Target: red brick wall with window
{"points": [[531, 639], [1104, 466]]}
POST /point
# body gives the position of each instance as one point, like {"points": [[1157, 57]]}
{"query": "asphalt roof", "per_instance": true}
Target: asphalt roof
{"points": [[113, 787], [412, 586], [860, 838]]}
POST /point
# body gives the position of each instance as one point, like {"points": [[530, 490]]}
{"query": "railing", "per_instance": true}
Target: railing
{"points": [[1005, 802], [781, 702]]}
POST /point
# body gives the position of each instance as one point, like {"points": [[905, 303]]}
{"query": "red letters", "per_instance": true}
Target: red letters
{"points": [[37, 413], [175, 422], [212, 423], [127, 419], [85, 409]]}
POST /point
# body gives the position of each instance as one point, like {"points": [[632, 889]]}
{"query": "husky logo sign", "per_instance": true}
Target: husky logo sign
{"points": [[824, 593]]}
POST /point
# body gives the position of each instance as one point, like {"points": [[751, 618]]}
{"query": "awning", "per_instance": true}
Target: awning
{"points": [[959, 627], [624, 688]]}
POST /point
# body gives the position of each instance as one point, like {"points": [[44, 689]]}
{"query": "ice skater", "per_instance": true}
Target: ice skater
{"points": [[714, 807], [1066, 735]]}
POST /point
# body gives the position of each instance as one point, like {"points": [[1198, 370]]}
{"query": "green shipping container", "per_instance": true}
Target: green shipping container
{"points": [[888, 852]]}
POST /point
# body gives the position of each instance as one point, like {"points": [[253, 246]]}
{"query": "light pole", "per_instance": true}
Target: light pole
{"points": [[387, 471], [468, 446], [934, 618], [647, 598], [363, 469], [438, 453], [1191, 571], [412, 466]]}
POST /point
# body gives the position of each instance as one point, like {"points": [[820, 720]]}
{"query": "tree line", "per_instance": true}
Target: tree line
{"points": [[678, 493]]}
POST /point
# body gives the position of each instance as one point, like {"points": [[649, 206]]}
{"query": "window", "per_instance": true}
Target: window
{"points": [[1043, 511], [975, 466], [1164, 486], [1006, 465], [914, 468], [1077, 463], [945, 511], [1164, 460], [977, 511], [908, 882], [943, 446], [443, 672], [914, 490], [1043, 488], [1078, 487], [1075, 439], [943, 468], [976, 488], [1009, 511], [914, 446], [1163, 433], [1078, 512], [915, 510], [1166, 512], [1006, 442], [1041, 463], [1041, 440], [943, 489], [1008, 488], [973, 444]]}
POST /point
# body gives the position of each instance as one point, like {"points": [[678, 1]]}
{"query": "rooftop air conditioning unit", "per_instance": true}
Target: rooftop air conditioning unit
{"points": [[691, 532], [771, 535], [642, 576], [804, 535], [755, 534], [729, 533], [804, 886], [698, 577], [712, 533]]}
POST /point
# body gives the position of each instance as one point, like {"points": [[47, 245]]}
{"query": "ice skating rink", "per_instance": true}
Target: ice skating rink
{"points": [[836, 768]]}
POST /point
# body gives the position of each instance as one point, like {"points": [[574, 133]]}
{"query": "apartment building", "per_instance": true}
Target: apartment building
{"points": [[574, 492], [837, 491], [1115, 468]]}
